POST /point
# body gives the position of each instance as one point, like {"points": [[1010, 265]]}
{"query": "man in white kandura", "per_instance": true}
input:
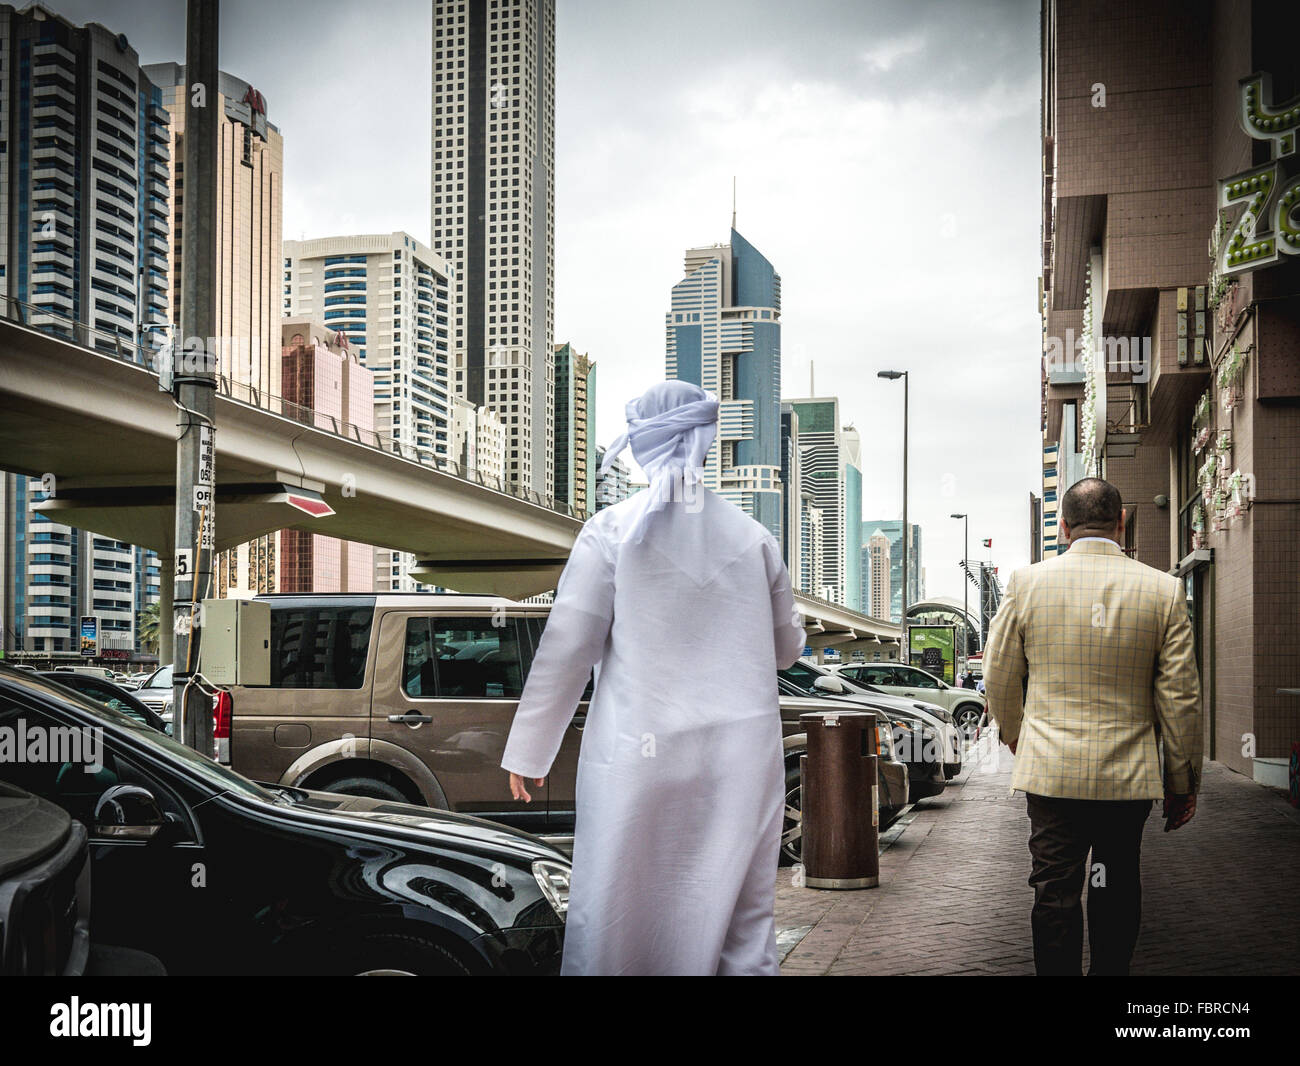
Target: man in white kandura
{"points": [[682, 604]]}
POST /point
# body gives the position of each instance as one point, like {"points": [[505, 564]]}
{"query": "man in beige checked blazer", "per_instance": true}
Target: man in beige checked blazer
{"points": [[1089, 669]]}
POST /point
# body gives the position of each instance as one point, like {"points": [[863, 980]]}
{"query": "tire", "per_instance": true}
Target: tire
{"points": [[399, 955], [369, 787], [791, 845], [967, 718]]}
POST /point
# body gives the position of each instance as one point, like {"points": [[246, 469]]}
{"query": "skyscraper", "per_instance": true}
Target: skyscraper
{"points": [[791, 494], [250, 206], [852, 442], [390, 296], [84, 226], [878, 575], [724, 334], [893, 529], [822, 462], [575, 443], [493, 194]]}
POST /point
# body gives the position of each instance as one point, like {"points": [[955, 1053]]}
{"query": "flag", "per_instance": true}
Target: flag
{"points": [[988, 543]]}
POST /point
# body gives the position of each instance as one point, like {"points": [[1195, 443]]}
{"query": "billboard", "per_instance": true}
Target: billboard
{"points": [[89, 635], [934, 649]]}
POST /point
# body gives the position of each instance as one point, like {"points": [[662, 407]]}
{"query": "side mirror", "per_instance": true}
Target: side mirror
{"points": [[128, 812], [830, 684]]}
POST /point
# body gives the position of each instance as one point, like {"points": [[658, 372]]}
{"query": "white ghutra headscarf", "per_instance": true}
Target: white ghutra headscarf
{"points": [[669, 428]]}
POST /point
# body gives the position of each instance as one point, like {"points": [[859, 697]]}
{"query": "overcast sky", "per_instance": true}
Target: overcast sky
{"points": [[887, 163]]}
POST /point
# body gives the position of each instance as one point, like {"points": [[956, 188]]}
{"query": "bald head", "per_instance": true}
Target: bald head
{"points": [[1092, 507]]}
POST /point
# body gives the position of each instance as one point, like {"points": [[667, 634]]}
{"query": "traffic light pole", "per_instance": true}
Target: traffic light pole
{"points": [[195, 355]]}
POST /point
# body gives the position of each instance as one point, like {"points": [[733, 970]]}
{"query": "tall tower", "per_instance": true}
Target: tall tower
{"points": [[250, 206], [84, 234], [823, 466], [724, 334], [881, 593], [493, 194]]}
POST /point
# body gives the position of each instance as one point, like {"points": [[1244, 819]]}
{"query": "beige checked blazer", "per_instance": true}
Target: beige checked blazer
{"points": [[1107, 646]]}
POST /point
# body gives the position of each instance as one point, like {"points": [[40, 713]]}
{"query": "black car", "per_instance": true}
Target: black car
{"points": [[111, 695], [215, 874]]}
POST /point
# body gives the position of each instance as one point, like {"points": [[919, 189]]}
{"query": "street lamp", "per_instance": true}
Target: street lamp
{"points": [[965, 588], [894, 375]]}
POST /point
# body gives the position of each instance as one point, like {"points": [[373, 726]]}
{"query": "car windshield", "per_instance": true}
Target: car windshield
{"points": [[142, 736], [160, 678]]}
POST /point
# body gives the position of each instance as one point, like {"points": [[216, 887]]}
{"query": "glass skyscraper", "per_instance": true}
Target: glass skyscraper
{"points": [[724, 334]]}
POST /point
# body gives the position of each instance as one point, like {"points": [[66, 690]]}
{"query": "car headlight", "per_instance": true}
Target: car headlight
{"points": [[553, 879]]}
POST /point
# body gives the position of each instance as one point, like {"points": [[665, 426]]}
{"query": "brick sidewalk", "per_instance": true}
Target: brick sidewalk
{"points": [[1219, 895]]}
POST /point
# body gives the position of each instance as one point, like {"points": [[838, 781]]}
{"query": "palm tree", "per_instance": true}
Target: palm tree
{"points": [[147, 626]]}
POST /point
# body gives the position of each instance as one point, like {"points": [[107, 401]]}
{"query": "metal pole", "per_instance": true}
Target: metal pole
{"points": [[195, 355], [907, 533], [965, 592]]}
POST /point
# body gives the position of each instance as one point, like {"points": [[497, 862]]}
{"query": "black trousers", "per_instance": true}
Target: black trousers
{"points": [[1063, 831]]}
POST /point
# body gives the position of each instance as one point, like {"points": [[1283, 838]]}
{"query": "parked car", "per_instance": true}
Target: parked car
{"points": [[964, 704], [892, 774], [916, 744], [811, 676], [102, 672], [408, 698], [111, 695], [155, 692], [215, 874]]}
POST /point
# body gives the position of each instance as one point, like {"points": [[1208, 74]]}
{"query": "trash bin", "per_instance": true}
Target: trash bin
{"points": [[840, 800]]}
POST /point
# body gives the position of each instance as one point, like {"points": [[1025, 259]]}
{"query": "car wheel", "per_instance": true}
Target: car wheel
{"points": [[792, 827], [369, 787], [967, 718], [399, 955]]}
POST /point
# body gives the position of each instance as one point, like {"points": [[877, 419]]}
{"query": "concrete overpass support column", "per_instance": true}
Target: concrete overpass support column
{"points": [[166, 624]]}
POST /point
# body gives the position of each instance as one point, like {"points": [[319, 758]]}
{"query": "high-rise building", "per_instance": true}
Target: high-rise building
{"points": [[85, 218], [812, 543], [321, 372], [615, 484], [822, 467], [1170, 306], [493, 202], [853, 575], [575, 438], [390, 296], [724, 334], [791, 494], [250, 206], [878, 574], [893, 530]]}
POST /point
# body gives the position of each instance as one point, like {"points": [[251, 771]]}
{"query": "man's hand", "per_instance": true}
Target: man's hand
{"points": [[1012, 745], [518, 790], [1178, 810]]}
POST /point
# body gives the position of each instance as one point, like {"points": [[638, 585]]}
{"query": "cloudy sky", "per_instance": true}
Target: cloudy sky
{"points": [[886, 160]]}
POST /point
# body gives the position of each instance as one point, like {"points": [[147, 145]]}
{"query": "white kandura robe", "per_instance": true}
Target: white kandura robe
{"points": [[681, 783]]}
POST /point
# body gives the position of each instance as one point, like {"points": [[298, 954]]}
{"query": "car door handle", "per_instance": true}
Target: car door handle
{"points": [[411, 718], [579, 723]]}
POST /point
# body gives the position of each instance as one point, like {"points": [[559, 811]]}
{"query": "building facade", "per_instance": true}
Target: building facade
{"points": [[1170, 301], [791, 494], [893, 530], [615, 484], [493, 203], [877, 574], [853, 531], [575, 438], [250, 207], [822, 466], [724, 334], [390, 296], [85, 210]]}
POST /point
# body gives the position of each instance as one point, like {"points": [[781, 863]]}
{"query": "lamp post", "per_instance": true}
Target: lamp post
{"points": [[894, 375], [965, 587]]}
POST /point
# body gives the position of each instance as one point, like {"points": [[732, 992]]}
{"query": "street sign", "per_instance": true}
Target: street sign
{"points": [[202, 497], [184, 564], [207, 465]]}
